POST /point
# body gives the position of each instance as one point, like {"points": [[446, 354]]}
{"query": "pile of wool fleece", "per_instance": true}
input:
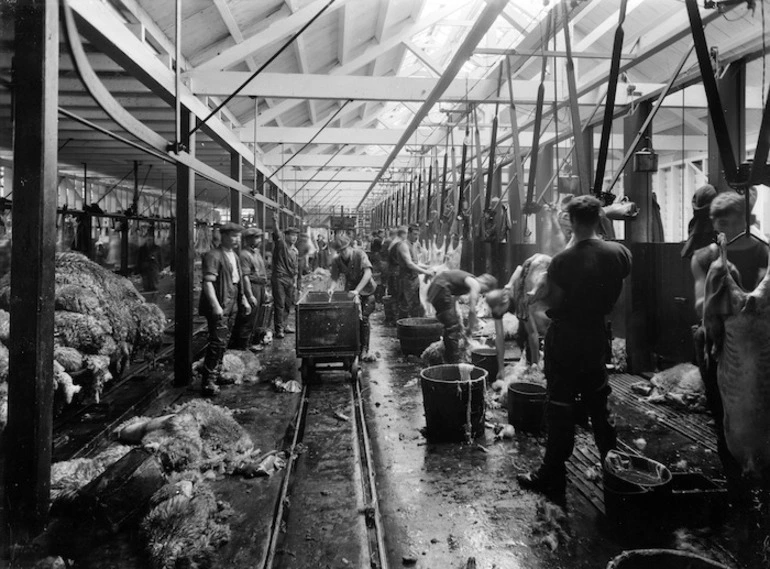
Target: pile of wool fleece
{"points": [[433, 355], [521, 371], [197, 435], [100, 319], [510, 326], [238, 366], [186, 523]]}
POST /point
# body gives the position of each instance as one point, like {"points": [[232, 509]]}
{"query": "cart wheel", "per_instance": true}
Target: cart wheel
{"points": [[306, 371], [354, 370]]}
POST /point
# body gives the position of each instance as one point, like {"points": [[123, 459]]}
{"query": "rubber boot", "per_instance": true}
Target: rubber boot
{"points": [[208, 385], [551, 478], [550, 481]]}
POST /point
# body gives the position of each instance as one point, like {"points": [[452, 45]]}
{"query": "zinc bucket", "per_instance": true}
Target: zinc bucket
{"points": [[416, 334], [446, 396], [526, 406], [486, 359]]}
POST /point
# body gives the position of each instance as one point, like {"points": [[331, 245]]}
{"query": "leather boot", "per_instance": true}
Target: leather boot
{"points": [[208, 384]]}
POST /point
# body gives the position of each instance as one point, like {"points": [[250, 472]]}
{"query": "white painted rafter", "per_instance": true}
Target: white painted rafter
{"points": [[280, 30], [428, 62], [370, 55]]}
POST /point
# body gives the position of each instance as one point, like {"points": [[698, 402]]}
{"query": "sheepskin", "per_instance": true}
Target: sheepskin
{"points": [[69, 476], [5, 326], [4, 362], [69, 358], [521, 371], [185, 525], [199, 436]]}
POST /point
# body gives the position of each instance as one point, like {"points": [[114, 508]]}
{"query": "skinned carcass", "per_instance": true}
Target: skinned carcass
{"points": [[738, 338], [529, 291]]}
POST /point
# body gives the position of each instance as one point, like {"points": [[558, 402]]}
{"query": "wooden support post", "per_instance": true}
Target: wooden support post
{"points": [[30, 380], [544, 174], [236, 198], [185, 258], [640, 311], [732, 92]]}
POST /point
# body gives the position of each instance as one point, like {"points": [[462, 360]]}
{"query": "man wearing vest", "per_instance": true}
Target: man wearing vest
{"points": [[254, 281], [354, 267], [442, 293], [221, 298], [285, 279]]}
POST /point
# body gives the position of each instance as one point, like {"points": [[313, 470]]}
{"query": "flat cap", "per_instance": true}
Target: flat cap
{"points": [[340, 242], [291, 230], [230, 227], [253, 232]]}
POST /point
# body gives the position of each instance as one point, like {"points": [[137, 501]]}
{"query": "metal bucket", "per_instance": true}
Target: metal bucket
{"points": [[486, 358], [526, 406], [447, 396], [416, 334]]}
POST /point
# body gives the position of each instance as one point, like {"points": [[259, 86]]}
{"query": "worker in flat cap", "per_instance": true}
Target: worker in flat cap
{"points": [[285, 279], [222, 296], [254, 282], [352, 271]]}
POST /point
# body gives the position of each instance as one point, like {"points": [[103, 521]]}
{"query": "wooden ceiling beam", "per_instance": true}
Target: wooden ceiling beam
{"points": [[109, 34], [278, 31], [428, 62], [369, 55], [343, 34]]}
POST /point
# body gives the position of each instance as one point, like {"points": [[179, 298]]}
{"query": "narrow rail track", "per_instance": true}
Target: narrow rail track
{"points": [[312, 400]]}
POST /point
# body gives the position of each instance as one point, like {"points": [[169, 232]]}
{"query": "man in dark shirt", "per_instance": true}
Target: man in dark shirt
{"points": [[442, 293], [221, 298], [352, 266], [285, 280], [584, 282]]}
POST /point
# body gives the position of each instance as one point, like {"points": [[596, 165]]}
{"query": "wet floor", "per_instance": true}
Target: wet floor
{"points": [[440, 504], [444, 503]]}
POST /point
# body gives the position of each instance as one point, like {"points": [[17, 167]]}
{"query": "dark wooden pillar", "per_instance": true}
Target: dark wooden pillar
{"points": [[732, 92], [543, 175], [236, 198], [185, 237], [640, 286], [30, 379]]}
